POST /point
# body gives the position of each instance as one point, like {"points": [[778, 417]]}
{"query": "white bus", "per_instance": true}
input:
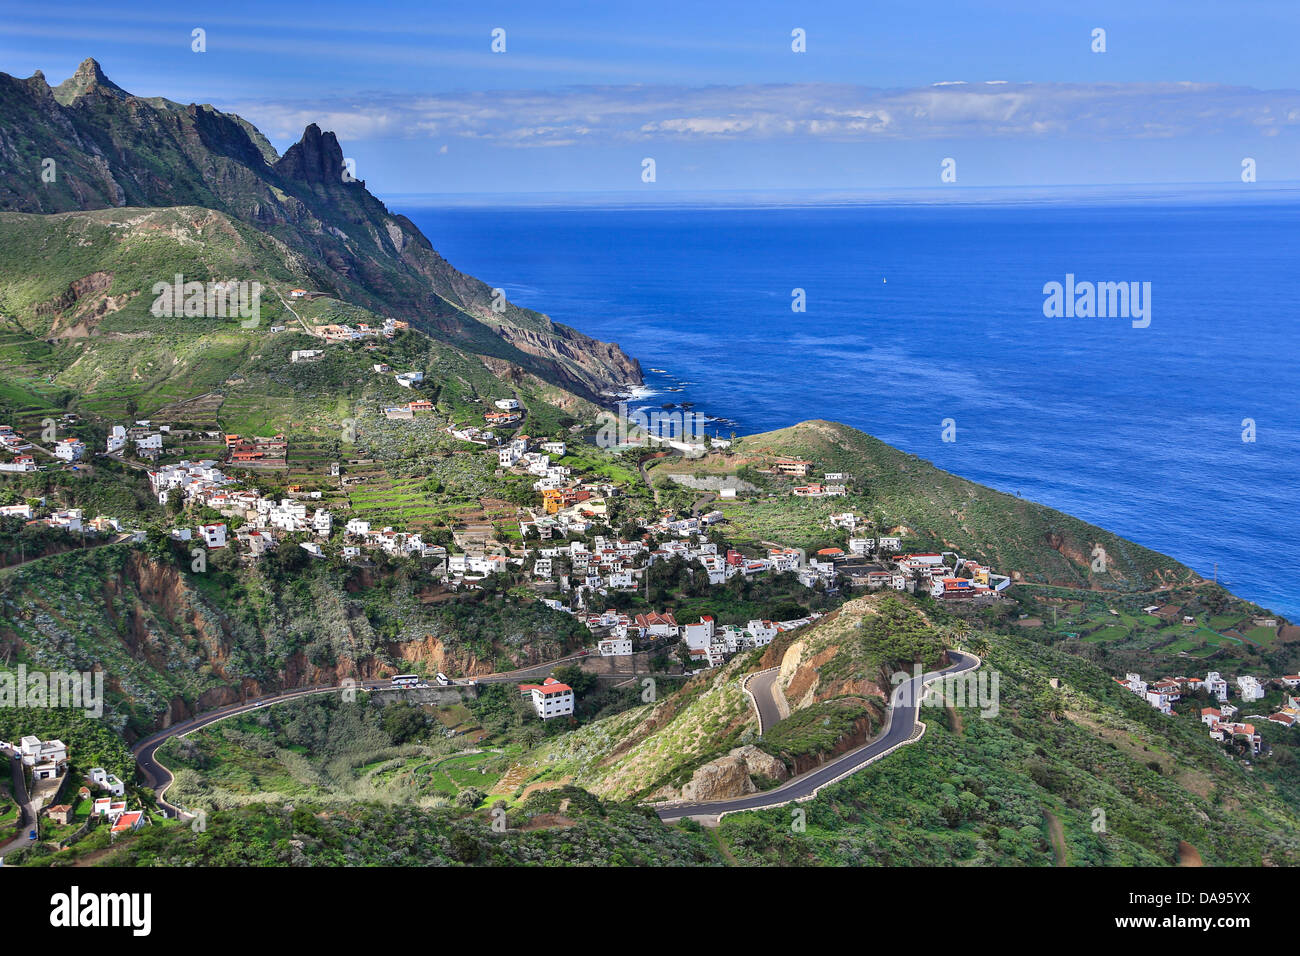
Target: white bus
{"points": [[443, 679], [406, 680]]}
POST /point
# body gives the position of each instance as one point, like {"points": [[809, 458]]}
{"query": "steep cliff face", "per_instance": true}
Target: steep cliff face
{"points": [[169, 648], [107, 148], [435, 655]]}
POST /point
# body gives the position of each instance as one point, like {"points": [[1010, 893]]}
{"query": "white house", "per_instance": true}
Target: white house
{"points": [[1159, 702], [1249, 688], [699, 636], [506, 404], [69, 520], [1135, 683], [116, 439], [556, 448], [214, 535], [1216, 686], [615, 647], [101, 779], [20, 463], [656, 625], [70, 449], [129, 821], [35, 751], [550, 698]]}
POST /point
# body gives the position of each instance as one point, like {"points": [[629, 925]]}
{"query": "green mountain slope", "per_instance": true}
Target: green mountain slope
{"points": [[1087, 775], [109, 149], [933, 509]]}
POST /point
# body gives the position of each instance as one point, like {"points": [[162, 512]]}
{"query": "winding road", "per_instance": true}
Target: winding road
{"points": [[759, 687], [23, 800], [160, 778], [900, 729]]}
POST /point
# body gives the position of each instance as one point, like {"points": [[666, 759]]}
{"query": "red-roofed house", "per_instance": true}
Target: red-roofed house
{"points": [[657, 625], [129, 821], [550, 698]]}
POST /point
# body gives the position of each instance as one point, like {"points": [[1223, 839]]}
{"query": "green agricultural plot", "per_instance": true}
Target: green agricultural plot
{"points": [[455, 774]]}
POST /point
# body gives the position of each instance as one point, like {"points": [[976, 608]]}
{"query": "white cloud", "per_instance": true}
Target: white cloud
{"points": [[625, 114]]}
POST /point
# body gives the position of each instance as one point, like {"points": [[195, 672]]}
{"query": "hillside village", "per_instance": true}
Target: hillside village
{"points": [[1162, 694], [101, 799], [567, 551]]}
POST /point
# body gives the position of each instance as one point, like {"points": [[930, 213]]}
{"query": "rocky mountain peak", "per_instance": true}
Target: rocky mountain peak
{"points": [[90, 77], [316, 158]]}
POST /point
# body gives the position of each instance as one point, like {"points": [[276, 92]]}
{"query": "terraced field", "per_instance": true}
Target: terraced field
{"points": [[402, 502], [451, 775]]}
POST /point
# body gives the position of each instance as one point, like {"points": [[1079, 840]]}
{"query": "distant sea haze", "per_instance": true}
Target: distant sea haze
{"points": [[916, 314]]}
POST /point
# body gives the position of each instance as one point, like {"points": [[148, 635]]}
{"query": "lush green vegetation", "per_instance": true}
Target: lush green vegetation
{"points": [[554, 828], [986, 791], [91, 742], [325, 749]]}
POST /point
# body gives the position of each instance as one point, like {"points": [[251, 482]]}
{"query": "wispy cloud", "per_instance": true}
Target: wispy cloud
{"points": [[624, 114]]}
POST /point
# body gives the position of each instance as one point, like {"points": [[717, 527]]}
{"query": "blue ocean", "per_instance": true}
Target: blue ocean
{"points": [[916, 313]]}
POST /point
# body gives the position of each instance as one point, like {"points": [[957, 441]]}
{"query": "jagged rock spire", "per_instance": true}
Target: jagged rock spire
{"points": [[89, 78], [316, 158]]}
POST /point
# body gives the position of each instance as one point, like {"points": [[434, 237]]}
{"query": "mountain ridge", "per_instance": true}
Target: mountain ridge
{"points": [[105, 148]]}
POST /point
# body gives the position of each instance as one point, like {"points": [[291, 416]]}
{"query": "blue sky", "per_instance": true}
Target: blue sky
{"points": [[713, 92]]}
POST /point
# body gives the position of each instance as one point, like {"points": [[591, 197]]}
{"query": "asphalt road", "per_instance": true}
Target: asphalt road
{"points": [[903, 712], [760, 687], [160, 778], [24, 801]]}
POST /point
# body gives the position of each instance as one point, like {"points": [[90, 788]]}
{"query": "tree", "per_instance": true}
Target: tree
{"points": [[1052, 704], [403, 723], [470, 797], [577, 678]]}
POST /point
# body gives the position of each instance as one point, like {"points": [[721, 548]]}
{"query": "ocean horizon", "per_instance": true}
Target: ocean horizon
{"points": [[927, 320]]}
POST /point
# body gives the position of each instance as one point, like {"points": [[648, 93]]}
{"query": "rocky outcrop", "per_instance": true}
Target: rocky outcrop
{"points": [[718, 779], [436, 656], [728, 776], [88, 79], [316, 158], [761, 763]]}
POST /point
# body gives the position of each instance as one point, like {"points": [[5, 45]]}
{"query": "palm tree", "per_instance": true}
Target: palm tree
{"points": [[1053, 704]]}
